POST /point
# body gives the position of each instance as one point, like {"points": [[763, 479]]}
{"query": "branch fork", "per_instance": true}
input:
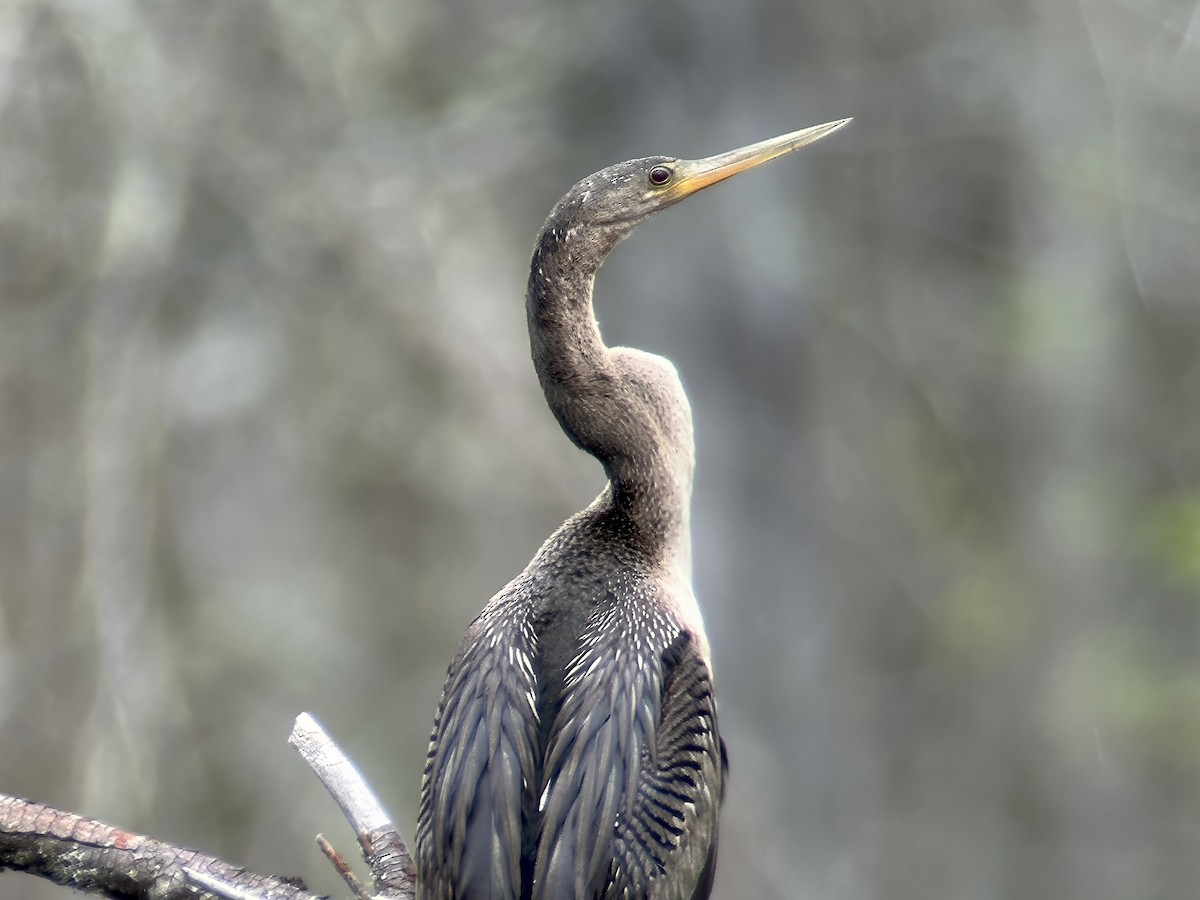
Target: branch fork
{"points": [[91, 856]]}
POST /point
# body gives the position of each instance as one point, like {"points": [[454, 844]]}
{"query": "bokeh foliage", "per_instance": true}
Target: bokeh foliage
{"points": [[269, 436]]}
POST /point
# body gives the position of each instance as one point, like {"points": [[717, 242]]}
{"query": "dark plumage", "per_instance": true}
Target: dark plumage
{"points": [[575, 753]]}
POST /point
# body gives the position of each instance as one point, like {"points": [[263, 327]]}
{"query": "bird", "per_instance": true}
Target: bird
{"points": [[575, 753]]}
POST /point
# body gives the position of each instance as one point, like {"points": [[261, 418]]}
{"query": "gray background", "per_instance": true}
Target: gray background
{"points": [[269, 436]]}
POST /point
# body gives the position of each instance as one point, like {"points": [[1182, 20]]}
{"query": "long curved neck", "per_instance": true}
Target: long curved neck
{"points": [[610, 403]]}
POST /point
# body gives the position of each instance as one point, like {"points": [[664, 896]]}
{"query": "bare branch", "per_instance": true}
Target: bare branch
{"points": [[218, 887], [343, 868], [383, 849], [92, 856]]}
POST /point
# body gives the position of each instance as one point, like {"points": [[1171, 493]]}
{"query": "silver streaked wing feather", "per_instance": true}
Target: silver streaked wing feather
{"points": [[673, 824], [480, 773], [633, 770]]}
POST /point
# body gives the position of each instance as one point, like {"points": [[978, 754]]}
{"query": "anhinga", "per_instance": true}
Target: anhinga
{"points": [[575, 754]]}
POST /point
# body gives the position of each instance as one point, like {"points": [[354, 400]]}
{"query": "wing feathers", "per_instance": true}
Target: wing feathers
{"points": [[632, 775], [480, 772], [619, 797]]}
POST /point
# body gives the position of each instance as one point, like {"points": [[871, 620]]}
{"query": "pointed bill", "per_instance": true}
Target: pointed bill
{"points": [[696, 174]]}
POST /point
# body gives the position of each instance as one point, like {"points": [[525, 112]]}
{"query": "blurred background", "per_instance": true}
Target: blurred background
{"points": [[269, 435]]}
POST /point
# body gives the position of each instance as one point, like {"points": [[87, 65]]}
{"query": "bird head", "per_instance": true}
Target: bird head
{"points": [[616, 199]]}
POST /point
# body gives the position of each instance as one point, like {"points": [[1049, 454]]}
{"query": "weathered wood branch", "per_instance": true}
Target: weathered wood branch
{"points": [[94, 857], [382, 847]]}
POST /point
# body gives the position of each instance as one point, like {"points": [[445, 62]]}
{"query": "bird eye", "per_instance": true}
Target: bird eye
{"points": [[660, 175]]}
